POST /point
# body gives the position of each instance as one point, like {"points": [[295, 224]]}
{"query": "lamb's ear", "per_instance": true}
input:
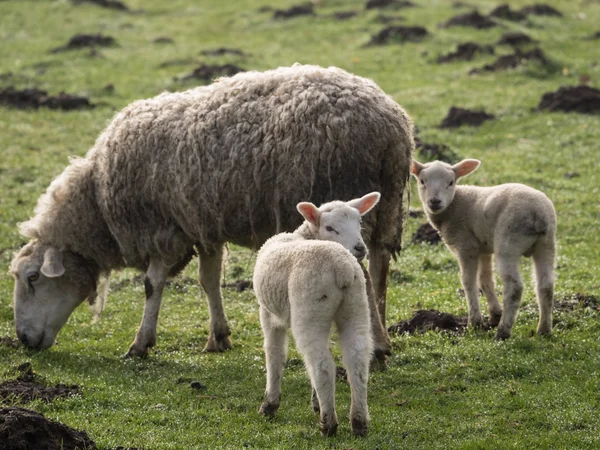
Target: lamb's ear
{"points": [[415, 168], [365, 203], [465, 167], [53, 263], [309, 211]]}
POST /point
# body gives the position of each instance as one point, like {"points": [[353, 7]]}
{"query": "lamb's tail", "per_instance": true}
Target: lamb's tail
{"points": [[346, 271]]}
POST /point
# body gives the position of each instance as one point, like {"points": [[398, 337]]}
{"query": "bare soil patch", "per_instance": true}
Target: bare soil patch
{"points": [[425, 320], [86, 41], [473, 19], [386, 18], [426, 233], [399, 34], [466, 52], [306, 9], [512, 61], [541, 9], [378, 4], [208, 72], [433, 151], [515, 39], [582, 99], [505, 12], [164, 40], [26, 387], [577, 300], [457, 117], [220, 51], [37, 98], [110, 4], [343, 15]]}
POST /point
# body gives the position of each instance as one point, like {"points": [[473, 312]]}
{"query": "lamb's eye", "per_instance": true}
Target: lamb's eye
{"points": [[422, 182], [331, 229], [32, 276]]}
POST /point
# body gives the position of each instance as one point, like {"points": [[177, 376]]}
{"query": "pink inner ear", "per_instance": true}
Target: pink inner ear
{"points": [[466, 167], [367, 204], [309, 212]]}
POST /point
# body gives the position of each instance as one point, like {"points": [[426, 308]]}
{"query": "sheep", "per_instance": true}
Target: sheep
{"points": [[186, 172], [509, 221], [307, 280]]}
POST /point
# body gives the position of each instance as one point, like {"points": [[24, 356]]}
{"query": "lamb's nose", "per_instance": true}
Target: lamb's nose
{"points": [[435, 203]]}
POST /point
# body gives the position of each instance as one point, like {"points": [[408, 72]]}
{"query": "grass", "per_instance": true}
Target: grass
{"points": [[440, 391]]}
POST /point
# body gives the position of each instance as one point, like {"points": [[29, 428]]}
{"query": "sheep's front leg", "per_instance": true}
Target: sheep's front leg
{"points": [[544, 285], [376, 278], [275, 353], [156, 275], [468, 277], [210, 279], [487, 285], [512, 289]]}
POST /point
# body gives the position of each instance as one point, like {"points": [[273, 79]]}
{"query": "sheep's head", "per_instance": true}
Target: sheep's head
{"points": [[340, 221], [49, 285], [437, 182]]}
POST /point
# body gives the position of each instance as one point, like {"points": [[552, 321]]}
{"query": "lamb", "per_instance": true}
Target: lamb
{"points": [[184, 173], [307, 280], [509, 221]]}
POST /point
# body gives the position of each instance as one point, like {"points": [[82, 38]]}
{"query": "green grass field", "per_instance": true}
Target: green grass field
{"points": [[440, 390]]}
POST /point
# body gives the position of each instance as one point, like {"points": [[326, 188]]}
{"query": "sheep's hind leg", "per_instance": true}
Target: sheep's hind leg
{"points": [[512, 289], [210, 278], [275, 352], [486, 283], [543, 259], [376, 279], [156, 275], [468, 277]]}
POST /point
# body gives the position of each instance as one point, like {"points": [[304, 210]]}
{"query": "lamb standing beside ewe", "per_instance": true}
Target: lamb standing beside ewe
{"points": [[190, 171], [307, 280], [508, 220]]}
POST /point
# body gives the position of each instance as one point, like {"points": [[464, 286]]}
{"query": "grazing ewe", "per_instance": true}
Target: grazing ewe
{"points": [[510, 221], [307, 280], [187, 172]]}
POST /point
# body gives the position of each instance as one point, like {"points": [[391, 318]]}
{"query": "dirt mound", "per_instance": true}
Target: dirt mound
{"points": [[36, 98], [515, 39], [425, 320], [504, 12], [377, 4], [306, 9], [22, 429], [439, 152], [594, 36], [110, 4], [540, 9], [209, 72], [398, 33], [473, 19], [505, 62], [385, 18], [26, 389], [343, 15], [426, 233], [457, 117], [466, 52], [582, 99], [577, 300], [86, 41], [222, 51], [164, 40]]}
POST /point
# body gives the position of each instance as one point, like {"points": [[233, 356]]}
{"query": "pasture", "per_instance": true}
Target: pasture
{"points": [[441, 389]]}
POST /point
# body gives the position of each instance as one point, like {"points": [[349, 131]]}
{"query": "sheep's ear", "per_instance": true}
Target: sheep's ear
{"points": [[365, 203], [465, 167], [415, 168], [53, 263], [309, 211]]}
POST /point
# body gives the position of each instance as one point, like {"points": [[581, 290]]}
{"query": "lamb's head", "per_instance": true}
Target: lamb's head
{"points": [[340, 221], [437, 182], [49, 285]]}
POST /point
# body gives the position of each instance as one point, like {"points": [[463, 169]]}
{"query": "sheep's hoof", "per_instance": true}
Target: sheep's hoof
{"points": [[315, 402], [378, 362], [268, 409], [136, 352], [544, 331], [495, 320], [328, 430], [359, 427], [502, 334], [217, 345]]}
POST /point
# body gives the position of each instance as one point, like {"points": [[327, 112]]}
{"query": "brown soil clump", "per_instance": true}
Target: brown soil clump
{"points": [[26, 389], [582, 99], [110, 4], [439, 152], [36, 98], [306, 9], [466, 52], [23, 429], [457, 117], [164, 40], [208, 72], [504, 12], [505, 62], [343, 15], [577, 300], [515, 39], [540, 9], [86, 41], [222, 51], [473, 19], [426, 233], [378, 4], [398, 33], [426, 320]]}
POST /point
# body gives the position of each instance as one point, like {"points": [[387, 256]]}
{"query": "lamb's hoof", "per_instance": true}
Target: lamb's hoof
{"points": [[502, 334], [544, 331], [136, 352], [328, 429], [218, 344], [359, 427], [378, 363], [268, 409], [495, 320]]}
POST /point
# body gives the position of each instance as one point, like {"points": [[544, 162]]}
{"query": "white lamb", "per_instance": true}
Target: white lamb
{"points": [[306, 280], [508, 220]]}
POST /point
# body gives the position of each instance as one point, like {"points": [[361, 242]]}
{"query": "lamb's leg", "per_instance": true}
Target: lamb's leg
{"points": [[377, 278], [275, 352], [468, 277], [543, 259], [356, 343], [487, 285], [512, 288], [210, 278], [156, 275]]}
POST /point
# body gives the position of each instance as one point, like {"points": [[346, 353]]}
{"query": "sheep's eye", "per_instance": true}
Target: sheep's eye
{"points": [[33, 276], [451, 183], [422, 182], [330, 229]]}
